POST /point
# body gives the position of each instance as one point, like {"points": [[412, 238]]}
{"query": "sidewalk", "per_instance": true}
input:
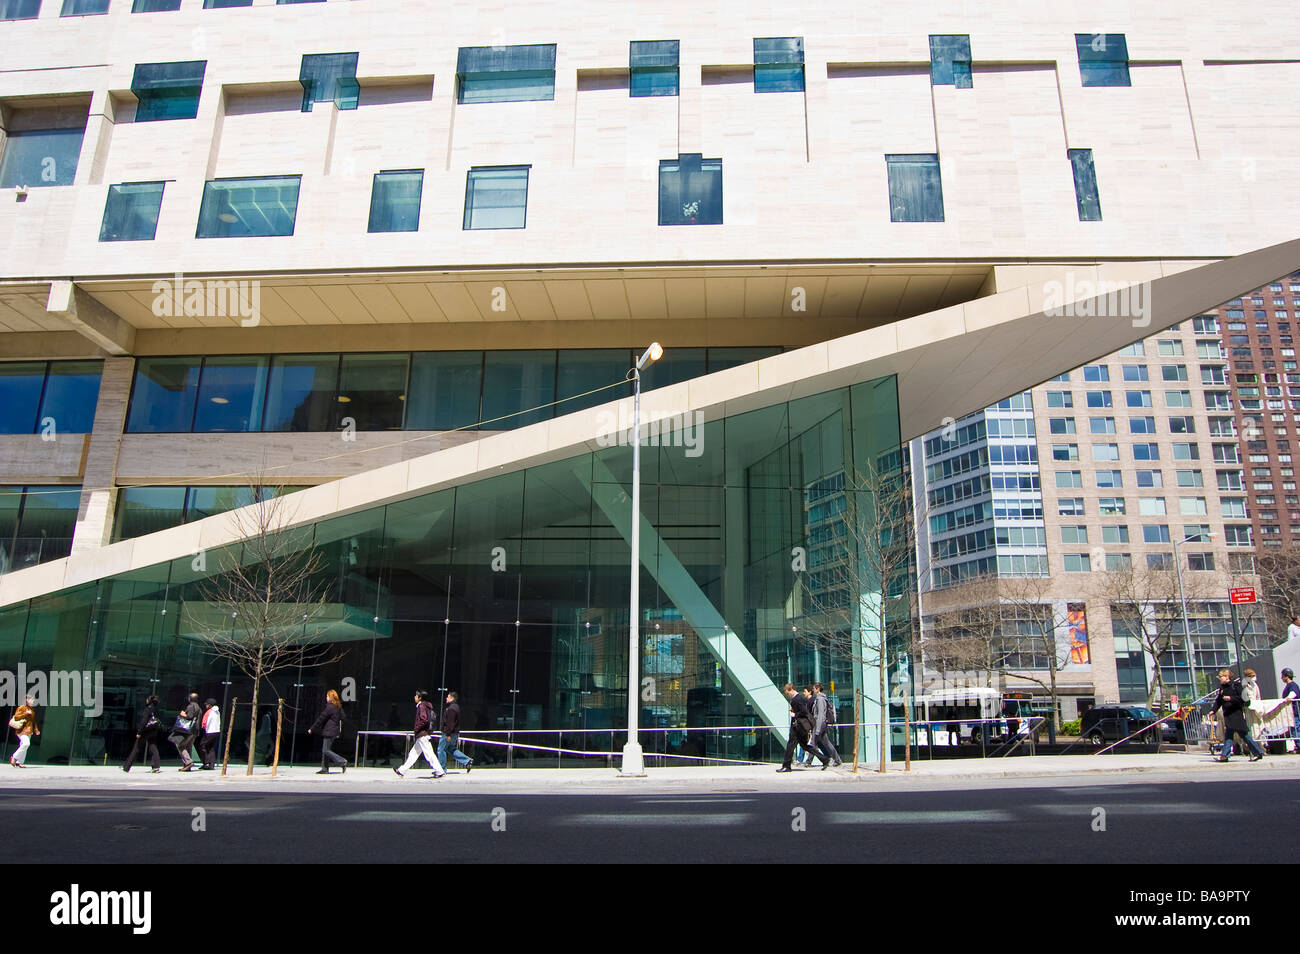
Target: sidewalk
{"points": [[551, 781]]}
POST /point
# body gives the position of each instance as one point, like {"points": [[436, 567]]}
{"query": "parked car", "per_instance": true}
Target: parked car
{"points": [[1102, 724]]}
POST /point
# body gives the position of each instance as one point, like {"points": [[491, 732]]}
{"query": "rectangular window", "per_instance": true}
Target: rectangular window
{"points": [[232, 391], [1192, 506], [1101, 425], [162, 400], [1178, 399], [1061, 425], [950, 60], [1152, 506], [1069, 479], [1074, 534], [1160, 561], [167, 90], [653, 65], [580, 371], [40, 157], [1155, 533], [1065, 452], [1190, 478], [1137, 398], [1150, 478], [20, 9], [778, 64], [505, 74], [249, 207], [1200, 561], [1111, 506], [1173, 372], [1070, 507], [395, 201], [1186, 451], [372, 391], [131, 212], [71, 393], [1170, 349], [1103, 59], [518, 388], [445, 390], [214, 4], [21, 384], [1099, 399], [1137, 349], [1105, 452], [1141, 425], [496, 197], [1077, 563], [1096, 372], [82, 8], [1119, 561], [1114, 534], [1110, 478], [1146, 451], [1135, 372], [690, 190], [329, 77], [1085, 185], [1060, 399], [915, 188], [301, 393], [154, 6]]}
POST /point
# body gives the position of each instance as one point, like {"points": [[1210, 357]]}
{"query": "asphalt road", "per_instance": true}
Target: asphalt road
{"points": [[1080, 821]]}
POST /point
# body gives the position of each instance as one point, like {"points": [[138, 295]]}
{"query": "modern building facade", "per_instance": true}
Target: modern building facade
{"points": [[1100, 471], [404, 257]]}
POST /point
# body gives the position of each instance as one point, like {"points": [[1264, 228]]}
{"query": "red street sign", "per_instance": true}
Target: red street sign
{"points": [[1241, 594]]}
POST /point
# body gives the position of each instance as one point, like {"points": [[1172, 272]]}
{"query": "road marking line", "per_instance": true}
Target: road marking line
{"points": [[648, 819], [424, 815], [916, 817]]}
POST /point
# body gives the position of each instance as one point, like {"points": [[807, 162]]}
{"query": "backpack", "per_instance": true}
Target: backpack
{"points": [[829, 708]]}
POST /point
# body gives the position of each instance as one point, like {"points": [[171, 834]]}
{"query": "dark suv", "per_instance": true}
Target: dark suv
{"points": [[1102, 724]]}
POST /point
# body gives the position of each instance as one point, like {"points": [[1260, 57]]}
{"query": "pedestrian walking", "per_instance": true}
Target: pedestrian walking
{"points": [[329, 725], [147, 729], [209, 734], [184, 730], [823, 723], [24, 724], [804, 757], [1292, 691], [1293, 631], [954, 728], [800, 728], [1234, 721], [423, 729], [450, 740]]}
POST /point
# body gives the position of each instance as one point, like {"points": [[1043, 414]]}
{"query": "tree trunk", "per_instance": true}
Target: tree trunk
{"points": [[907, 730], [857, 723], [252, 722], [279, 725], [230, 732], [884, 698]]}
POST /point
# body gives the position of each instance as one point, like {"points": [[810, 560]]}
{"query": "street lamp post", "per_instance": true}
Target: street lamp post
{"points": [[1182, 599], [633, 758]]}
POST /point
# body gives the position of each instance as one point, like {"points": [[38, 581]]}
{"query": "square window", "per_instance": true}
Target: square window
{"points": [[329, 77], [505, 74], [20, 9], [915, 188], [496, 197], [1103, 59], [1086, 197], [950, 60], [167, 90], [690, 191], [653, 65], [131, 212], [778, 64], [249, 207], [395, 201], [40, 157]]}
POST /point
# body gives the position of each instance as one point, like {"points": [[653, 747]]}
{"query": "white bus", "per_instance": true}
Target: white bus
{"points": [[954, 713]]}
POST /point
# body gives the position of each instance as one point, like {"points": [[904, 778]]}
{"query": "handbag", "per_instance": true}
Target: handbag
{"points": [[183, 725]]}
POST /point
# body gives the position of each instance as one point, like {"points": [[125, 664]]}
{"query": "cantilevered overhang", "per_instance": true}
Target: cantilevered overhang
{"points": [[948, 363]]}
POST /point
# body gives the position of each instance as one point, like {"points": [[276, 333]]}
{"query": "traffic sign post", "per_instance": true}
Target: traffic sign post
{"points": [[1236, 595]]}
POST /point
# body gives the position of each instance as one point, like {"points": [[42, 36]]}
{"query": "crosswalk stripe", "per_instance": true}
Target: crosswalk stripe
{"points": [[650, 819], [916, 817]]}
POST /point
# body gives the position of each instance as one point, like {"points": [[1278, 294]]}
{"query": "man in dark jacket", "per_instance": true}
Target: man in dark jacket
{"points": [[183, 737], [801, 726], [451, 735], [1234, 719], [147, 729], [823, 724], [328, 725], [423, 728]]}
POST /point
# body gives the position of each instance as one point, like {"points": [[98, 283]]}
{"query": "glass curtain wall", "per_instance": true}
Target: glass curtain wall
{"points": [[512, 590]]}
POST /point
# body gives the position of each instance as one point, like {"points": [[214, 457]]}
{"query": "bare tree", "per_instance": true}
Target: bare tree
{"points": [[1148, 603], [964, 635], [1279, 589], [1043, 626], [255, 611], [858, 598]]}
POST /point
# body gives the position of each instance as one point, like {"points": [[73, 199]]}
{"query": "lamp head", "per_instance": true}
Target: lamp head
{"points": [[652, 353]]}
